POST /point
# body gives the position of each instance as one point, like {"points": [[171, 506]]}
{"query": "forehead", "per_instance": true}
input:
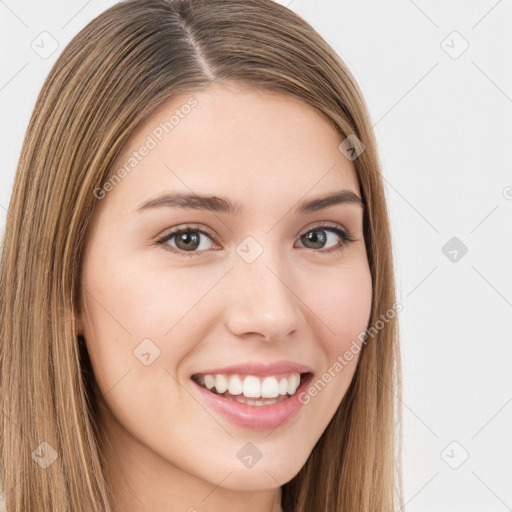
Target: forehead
{"points": [[254, 145]]}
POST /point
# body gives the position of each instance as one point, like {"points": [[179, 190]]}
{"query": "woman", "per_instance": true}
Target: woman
{"points": [[198, 307]]}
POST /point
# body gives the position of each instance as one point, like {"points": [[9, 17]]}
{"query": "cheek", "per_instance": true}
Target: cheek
{"points": [[133, 309], [137, 330], [343, 305], [135, 301]]}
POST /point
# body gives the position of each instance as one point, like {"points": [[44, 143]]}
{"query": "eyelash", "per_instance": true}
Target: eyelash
{"points": [[343, 233]]}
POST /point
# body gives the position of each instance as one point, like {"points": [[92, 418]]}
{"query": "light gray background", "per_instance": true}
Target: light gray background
{"points": [[443, 119]]}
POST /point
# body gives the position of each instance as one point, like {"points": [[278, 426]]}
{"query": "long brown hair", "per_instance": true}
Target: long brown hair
{"points": [[124, 64]]}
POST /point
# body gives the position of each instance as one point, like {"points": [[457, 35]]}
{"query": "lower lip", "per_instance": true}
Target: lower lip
{"points": [[262, 417]]}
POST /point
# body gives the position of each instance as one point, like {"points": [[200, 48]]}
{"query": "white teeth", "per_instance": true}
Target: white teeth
{"points": [[257, 401], [209, 381], [221, 384], [235, 385], [270, 388], [283, 387], [293, 384], [251, 386]]}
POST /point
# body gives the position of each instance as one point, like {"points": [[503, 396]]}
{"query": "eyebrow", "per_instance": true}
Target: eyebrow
{"points": [[223, 205]]}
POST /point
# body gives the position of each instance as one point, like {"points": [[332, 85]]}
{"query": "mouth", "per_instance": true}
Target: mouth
{"points": [[254, 394], [252, 390]]}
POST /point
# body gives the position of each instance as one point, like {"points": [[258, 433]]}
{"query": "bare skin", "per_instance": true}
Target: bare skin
{"points": [[166, 449]]}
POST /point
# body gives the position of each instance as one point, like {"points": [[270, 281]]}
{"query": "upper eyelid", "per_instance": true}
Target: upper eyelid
{"points": [[188, 227]]}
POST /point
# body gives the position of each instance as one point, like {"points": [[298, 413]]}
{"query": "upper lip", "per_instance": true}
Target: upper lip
{"points": [[259, 369]]}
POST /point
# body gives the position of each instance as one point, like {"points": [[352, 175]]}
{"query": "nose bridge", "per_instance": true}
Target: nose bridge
{"points": [[263, 301]]}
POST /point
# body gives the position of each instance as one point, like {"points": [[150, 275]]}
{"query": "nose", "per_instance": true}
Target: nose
{"points": [[262, 303]]}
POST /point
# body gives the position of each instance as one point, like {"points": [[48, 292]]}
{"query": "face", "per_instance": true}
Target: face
{"points": [[181, 294]]}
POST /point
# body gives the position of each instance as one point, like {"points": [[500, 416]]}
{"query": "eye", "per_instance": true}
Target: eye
{"points": [[187, 240], [317, 237]]}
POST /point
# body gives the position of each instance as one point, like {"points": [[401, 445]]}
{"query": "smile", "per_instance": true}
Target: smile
{"points": [[251, 401], [251, 386]]}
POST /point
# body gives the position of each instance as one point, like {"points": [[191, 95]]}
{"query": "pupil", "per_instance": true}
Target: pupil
{"points": [[316, 237], [190, 240]]}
